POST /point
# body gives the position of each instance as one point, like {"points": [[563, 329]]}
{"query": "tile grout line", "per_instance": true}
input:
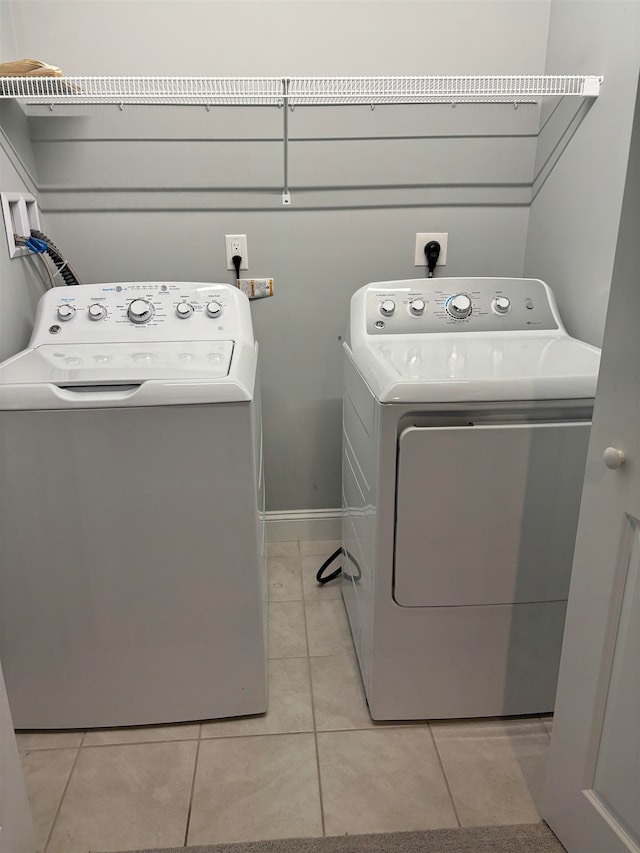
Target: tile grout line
{"points": [[193, 787], [122, 743], [418, 724], [45, 846], [444, 774], [313, 714]]}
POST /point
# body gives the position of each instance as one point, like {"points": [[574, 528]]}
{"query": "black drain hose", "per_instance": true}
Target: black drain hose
{"points": [[63, 267], [337, 572]]}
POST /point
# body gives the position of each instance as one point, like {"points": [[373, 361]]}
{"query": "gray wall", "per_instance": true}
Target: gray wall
{"points": [[574, 218], [20, 282], [149, 193]]}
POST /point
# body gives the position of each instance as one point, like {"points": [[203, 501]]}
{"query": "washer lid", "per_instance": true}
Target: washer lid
{"points": [[145, 373], [446, 368]]}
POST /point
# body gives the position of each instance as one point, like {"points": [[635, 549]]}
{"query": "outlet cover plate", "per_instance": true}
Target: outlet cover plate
{"points": [[229, 241], [421, 241]]}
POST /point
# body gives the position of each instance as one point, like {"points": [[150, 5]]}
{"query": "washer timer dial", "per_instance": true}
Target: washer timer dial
{"points": [[140, 311], [459, 306]]}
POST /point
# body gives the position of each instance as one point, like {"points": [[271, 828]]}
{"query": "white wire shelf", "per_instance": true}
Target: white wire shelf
{"points": [[236, 91], [296, 91], [428, 90]]}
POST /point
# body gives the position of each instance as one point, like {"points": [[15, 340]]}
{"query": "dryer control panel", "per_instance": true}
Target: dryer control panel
{"points": [[149, 311], [428, 306]]}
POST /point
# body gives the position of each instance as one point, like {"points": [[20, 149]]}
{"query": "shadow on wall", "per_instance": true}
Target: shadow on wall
{"points": [[556, 132]]}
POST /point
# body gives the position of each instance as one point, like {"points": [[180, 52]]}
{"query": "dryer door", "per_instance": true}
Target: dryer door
{"points": [[487, 514]]}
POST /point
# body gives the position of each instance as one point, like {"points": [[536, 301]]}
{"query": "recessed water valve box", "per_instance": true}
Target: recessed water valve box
{"points": [[20, 214]]}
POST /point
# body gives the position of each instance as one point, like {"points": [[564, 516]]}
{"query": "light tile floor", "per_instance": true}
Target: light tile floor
{"points": [[314, 764]]}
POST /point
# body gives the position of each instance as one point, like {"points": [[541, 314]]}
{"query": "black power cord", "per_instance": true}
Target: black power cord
{"points": [[236, 260], [432, 253]]}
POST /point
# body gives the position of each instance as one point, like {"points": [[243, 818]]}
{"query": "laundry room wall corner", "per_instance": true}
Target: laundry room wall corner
{"points": [[577, 196], [21, 284]]}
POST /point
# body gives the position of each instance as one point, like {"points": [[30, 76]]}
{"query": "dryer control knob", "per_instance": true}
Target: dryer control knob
{"points": [[184, 310], [66, 312], [459, 306], [214, 309], [97, 312], [387, 307], [501, 305], [417, 306], [140, 311]]}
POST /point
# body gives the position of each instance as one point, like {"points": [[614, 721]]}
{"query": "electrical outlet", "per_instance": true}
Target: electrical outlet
{"points": [[236, 244], [20, 211], [421, 242]]}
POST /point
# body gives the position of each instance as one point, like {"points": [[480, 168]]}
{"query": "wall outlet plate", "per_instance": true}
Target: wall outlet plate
{"points": [[20, 214], [421, 241], [236, 244]]}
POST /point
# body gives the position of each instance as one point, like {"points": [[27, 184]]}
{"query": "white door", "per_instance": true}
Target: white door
{"points": [[593, 785], [16, 827]]}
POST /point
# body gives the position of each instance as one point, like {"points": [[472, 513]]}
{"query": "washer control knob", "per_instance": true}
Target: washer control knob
{"points": [[387, 307], [416, 307], [184, 310], [140, 311], [214, 309], [66, 312], [97, 311], [501, 305], [459, 306]]}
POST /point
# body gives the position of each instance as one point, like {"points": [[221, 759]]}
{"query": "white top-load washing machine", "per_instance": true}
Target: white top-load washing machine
{"points": [[131, 510], [467, 412]]}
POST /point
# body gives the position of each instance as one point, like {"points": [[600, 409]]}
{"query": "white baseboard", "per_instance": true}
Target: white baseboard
{"points": [[309, 524]]}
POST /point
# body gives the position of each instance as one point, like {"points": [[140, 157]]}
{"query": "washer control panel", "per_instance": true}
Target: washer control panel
{"points": [[133, 311], [420, 306]]}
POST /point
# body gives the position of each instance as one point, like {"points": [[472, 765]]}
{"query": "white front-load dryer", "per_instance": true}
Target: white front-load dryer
{"points": [[467, 411], [131, 512]]}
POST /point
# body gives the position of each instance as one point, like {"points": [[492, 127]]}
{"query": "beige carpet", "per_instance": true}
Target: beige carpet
{"points": [[523, 838]]}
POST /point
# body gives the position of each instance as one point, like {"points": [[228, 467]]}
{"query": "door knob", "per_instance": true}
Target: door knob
{"points": [[613, 458]]}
